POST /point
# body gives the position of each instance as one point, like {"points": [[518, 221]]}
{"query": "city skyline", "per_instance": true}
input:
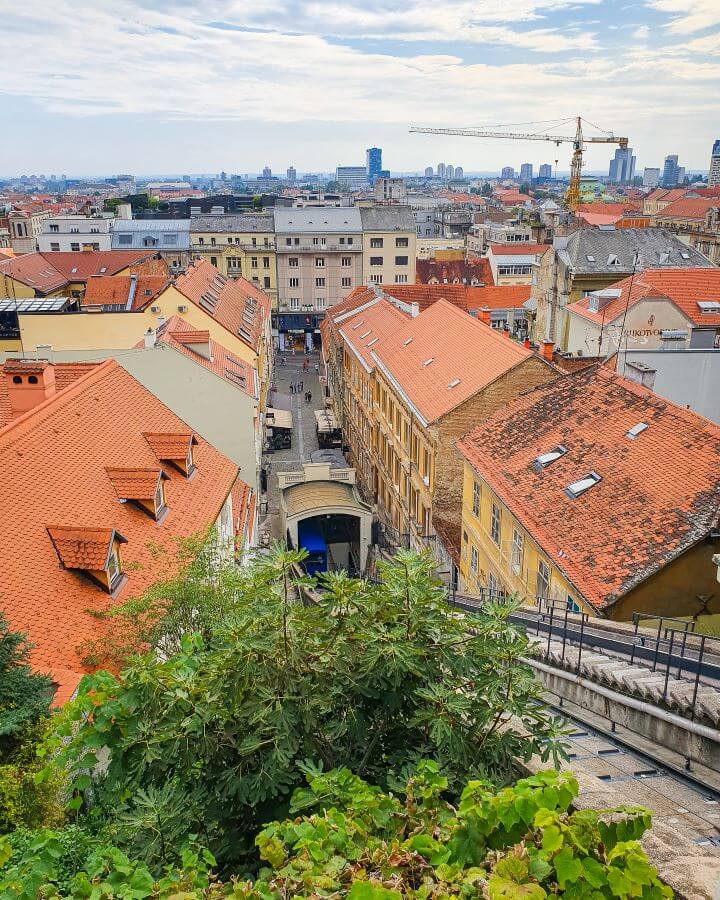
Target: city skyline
{"points": [[164, 88]]}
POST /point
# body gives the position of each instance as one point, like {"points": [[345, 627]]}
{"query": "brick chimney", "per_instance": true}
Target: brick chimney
{"points": [[484, 315], [28, 382], [546, 350]]}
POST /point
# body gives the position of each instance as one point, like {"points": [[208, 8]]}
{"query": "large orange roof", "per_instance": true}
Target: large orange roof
{"points": [[236, 304], [49, 271], [54, 462], [365, 331], [689, 208], [115, 290], [443, 356], [685, 287], [188, 340], [518, 249], [659, 494], [473, 271], [505, 296], [66, 373]]}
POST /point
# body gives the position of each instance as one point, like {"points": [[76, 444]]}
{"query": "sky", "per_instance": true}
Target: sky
{"points": [[176, 86]]}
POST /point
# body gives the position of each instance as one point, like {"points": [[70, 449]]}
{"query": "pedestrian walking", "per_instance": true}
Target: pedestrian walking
{"points": [[317, 368], [302, 384], [292, 387], [309, 396]]}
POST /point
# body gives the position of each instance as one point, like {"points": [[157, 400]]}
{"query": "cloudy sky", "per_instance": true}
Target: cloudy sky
{"points": [[150, 86]]}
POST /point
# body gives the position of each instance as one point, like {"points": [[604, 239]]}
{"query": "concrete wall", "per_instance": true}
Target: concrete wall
{"points": [[687, 377], [389, 272]]}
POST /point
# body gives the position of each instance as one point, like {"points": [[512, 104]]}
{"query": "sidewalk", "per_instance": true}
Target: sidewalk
{"points": [[304, 439]]}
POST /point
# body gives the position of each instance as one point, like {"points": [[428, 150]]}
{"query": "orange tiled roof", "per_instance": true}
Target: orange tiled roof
{"points": [[689, 208], [667, 195], [170, 445], [426, 294], [365, 331], [610, 209], [518, 249], [181, 335], [685, 287], [659, 494], [592, 218], [47, 272], [507, 296], [444, 346], [83, 548], [53, 462], [134, 483], [65, 375], [236, 304], [454, 271], [107, 290]]}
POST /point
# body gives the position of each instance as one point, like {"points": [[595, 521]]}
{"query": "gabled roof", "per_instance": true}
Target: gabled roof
{"points": [[170, 445], [130, 292], [694, 208], [443, 356], [235, 303], [318, 220], [53, 470], [83, 548], [655, 247], [183, 336], [659, 494], [235, 224], [685, 287], [366, 330], [454, 271], [135, 483], [47, 272]]}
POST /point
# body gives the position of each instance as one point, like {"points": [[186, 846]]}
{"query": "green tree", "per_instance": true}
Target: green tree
{"points": [[486, 189], [24, 695], [374, 678], [524, 189]]}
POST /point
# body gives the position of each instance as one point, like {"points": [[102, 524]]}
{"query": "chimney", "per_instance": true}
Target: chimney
{"points": [[484, 315], [150, 338], [29, 382], [546, 350], [507, 333], [527, 343]]}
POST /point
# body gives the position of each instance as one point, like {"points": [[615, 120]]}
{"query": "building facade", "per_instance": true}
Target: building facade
{"points": [[373, 164], [71, 234], [622, 166], [389, 245], [351, 178], [714, 168], [25, 230], [168, 237], [526, 173]]}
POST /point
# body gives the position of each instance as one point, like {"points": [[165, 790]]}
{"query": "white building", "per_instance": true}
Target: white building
{"points": [[351, 178], [66, 234], [651, 177]]}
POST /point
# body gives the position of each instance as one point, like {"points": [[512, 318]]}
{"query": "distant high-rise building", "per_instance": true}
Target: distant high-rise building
{"points": [[714, 171], [429, 172], [526, 173], [351, 177], [507, 172], [680, 174], [545, 171], [291, 173], [651, 177], [459, 172], [670, 171], [622, 166], [267, 172], [441, 170], [449, 171], [373, 160]]}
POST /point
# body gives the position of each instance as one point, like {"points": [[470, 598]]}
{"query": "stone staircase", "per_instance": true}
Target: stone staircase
{"points": [[636, 680]]}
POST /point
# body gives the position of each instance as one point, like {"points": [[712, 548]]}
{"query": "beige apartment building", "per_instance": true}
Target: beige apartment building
{"points": [[238, 246], [25, 230], [389, 244]]}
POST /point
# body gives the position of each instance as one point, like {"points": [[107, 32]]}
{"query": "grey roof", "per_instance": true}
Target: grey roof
{"points": [[657, 248], [232, 223], [387, 218], [143, 234], [318, 220]]}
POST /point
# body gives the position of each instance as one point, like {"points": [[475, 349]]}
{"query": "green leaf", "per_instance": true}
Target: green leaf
{"points": [[367, 890], [567, 867]]}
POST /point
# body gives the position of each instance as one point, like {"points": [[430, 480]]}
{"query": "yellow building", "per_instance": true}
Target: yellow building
{"points": [[240, 245], [389, 244], [593, 494], [409, 384], [234, 312]]}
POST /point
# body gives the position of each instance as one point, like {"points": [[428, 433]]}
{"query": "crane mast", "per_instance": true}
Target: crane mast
{"points": [[572, 197]]}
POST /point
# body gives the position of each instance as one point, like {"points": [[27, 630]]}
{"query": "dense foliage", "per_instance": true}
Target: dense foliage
{"points": [[354, 840], [209, 740]]}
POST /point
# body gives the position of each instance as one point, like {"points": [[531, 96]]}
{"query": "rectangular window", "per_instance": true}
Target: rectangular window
{"points": [[346, 282], [376, 260], [516, 559], [294, 282], [376, 279], [213, 261], [495, 524], [319, 303], [401, 242], [54, 246], [54, 228], [492, 584], [319, 262], [266, 262], [125, 239], [350, 240], [75, 247], [543, 579], [572, 605], [319, 282], [346, 261], [201, 241], [293, 262], [376, 243], [401, 279], [473, 559], [213, 241], [476, 499], [253, 262], [401, 260], [288, 242], [266, 281], [294, 303]]}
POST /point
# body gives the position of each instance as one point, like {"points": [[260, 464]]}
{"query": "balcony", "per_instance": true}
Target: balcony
{"points": [[319, 249]]}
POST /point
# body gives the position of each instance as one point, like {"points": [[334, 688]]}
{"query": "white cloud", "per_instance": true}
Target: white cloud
{"points": [[642, 33], [689, 16]]}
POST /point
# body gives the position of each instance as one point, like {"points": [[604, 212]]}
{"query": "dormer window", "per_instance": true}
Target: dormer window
{"points": [[142, 488], [174, 448], [545, 459], [582, 484], [94, 552]]}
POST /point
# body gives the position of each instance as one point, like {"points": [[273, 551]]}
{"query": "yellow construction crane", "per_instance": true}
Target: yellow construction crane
{"points": [[572, 198]]}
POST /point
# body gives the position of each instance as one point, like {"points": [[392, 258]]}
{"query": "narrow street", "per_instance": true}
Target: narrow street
{"points": [[304, 438]]}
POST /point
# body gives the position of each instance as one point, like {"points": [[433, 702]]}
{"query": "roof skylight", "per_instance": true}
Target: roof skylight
{"points": [[590, 258], [428, 361], [582, 484], [544, 460], [454, 383], [363, 336], [407, 341], [633, 432], [373, 342], [709, 306], [358, 325]]}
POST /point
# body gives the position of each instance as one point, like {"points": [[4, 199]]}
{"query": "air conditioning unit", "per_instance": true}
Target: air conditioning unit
{"points": [[182, 308], [154, 309]]}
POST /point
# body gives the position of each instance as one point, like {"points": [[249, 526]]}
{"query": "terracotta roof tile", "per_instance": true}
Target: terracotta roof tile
{"points": [[518, 249], [694, 208], [53, 463], [659, 493], [65, 375], [46, 272], [474, 271], [170, 445], [685, 287], [114, 290], [239, 306], [83, 548], [134, 483]]}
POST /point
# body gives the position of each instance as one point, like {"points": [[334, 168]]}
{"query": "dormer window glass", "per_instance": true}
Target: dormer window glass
{"points": [[545, 459]]}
